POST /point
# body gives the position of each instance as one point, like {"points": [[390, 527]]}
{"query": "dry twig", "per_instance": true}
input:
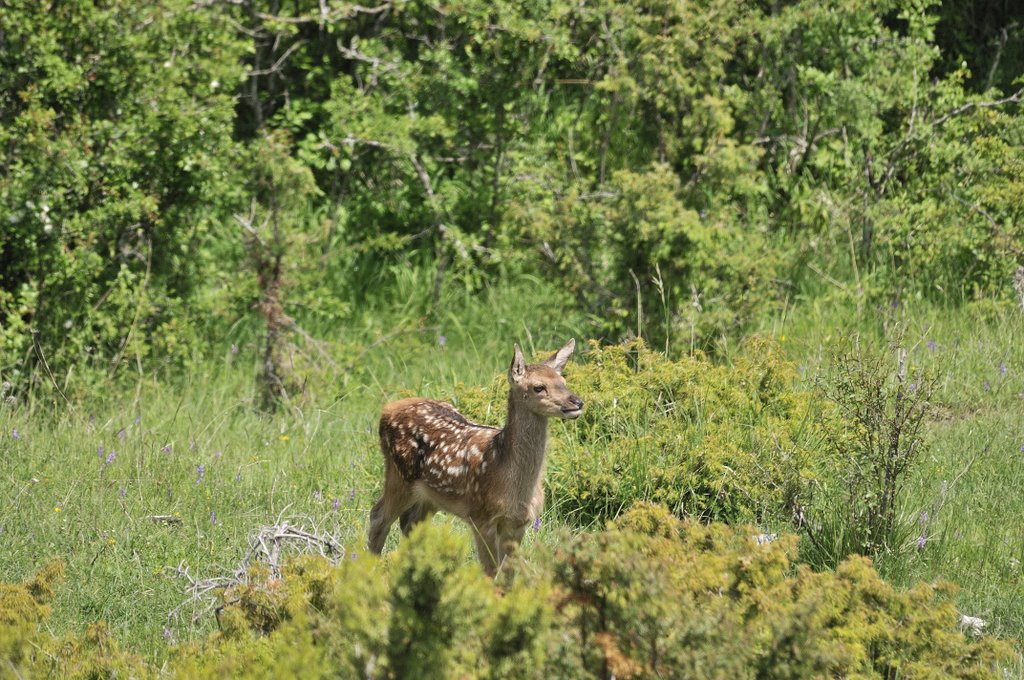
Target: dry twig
{"points": [[269, 547]]}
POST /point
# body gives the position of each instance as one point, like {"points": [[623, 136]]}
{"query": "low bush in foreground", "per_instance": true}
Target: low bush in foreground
{"points": [[652, 596]]}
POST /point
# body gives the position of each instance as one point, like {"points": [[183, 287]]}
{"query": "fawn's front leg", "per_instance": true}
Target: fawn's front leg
{"points": [[487, 548], [510, 535]]}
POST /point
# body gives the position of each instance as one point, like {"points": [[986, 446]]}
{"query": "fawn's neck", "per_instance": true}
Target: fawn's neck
{"points": [[522, 442]]}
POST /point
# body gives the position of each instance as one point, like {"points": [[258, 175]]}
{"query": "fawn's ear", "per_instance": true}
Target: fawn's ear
{"points": [[518, 368], [559, 359]]}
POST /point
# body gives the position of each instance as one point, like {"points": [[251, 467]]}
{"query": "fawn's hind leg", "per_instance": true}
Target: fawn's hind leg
{"points": [[419, 512], [396, 499]]}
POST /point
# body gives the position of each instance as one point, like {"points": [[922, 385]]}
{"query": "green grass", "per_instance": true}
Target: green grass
{"points": [[58, 496], [970, 480]]}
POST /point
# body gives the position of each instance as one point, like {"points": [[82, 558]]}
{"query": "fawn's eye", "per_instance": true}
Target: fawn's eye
{"points": [[539, 388]]}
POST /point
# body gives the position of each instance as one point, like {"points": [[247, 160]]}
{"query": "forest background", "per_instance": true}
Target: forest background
{"points": [[793, 231]]}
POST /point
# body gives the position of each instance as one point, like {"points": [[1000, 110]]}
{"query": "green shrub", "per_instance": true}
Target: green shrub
{"points": [[29, 651], [734, 443], [23, 606], [431, 614], [691, 277], [653, 596], [657, 597]]}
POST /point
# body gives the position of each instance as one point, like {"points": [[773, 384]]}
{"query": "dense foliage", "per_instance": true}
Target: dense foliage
{"points": [[680, 167], [117, 178], [650, 597]]}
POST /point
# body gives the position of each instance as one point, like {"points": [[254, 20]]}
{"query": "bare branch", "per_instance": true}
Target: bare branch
{"points": [[279, 63], [326, 14], [269, 546], [1004, 37], [356, 55], [1014, 98], [203, 4]]}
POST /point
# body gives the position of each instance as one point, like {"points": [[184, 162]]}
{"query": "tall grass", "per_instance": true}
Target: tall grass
{"points": [[962, 507]]}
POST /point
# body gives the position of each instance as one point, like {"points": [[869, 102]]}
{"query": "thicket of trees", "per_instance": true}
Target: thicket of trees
{"points": [[166, 164]]}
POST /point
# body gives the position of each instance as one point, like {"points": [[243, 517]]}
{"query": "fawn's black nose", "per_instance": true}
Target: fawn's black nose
{"points": [[577, 402]]}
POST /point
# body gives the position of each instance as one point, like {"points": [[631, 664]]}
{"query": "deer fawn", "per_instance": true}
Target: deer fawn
{"points": [[435, 459]]}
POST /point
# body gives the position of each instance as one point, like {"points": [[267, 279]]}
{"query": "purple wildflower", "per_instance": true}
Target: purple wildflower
{"points": [[441, 341], [121, 434], [15, 434], [352, 495], [122, 493], [100, 451], [166, 448], [931, 345], [922, 519], [200, 473], [986, 385], [238, 476], [213, 518], [110, 458], [921, 541], [167, 633], [1002, 369], [335, 504], [536, 524], [354, 556], [912, 387]]}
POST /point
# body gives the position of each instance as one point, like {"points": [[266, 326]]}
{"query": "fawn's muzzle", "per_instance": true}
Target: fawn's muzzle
{"points": [[574, 408]]}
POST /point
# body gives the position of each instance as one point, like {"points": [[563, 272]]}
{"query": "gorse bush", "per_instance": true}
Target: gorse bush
{"points": [[31, 652], [657, 597], [650, 597], [732, 443]]}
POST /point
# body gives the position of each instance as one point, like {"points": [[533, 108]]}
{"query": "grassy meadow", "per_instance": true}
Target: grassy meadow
{"points": [[134, 484], [786, 236], [968, 482], [84, 481]]}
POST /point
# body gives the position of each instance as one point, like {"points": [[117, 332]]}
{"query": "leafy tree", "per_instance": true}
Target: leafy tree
{"points": [[118, 168]]}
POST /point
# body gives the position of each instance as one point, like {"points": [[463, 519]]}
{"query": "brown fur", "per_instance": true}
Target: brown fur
{"points": [[435, 459]]}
